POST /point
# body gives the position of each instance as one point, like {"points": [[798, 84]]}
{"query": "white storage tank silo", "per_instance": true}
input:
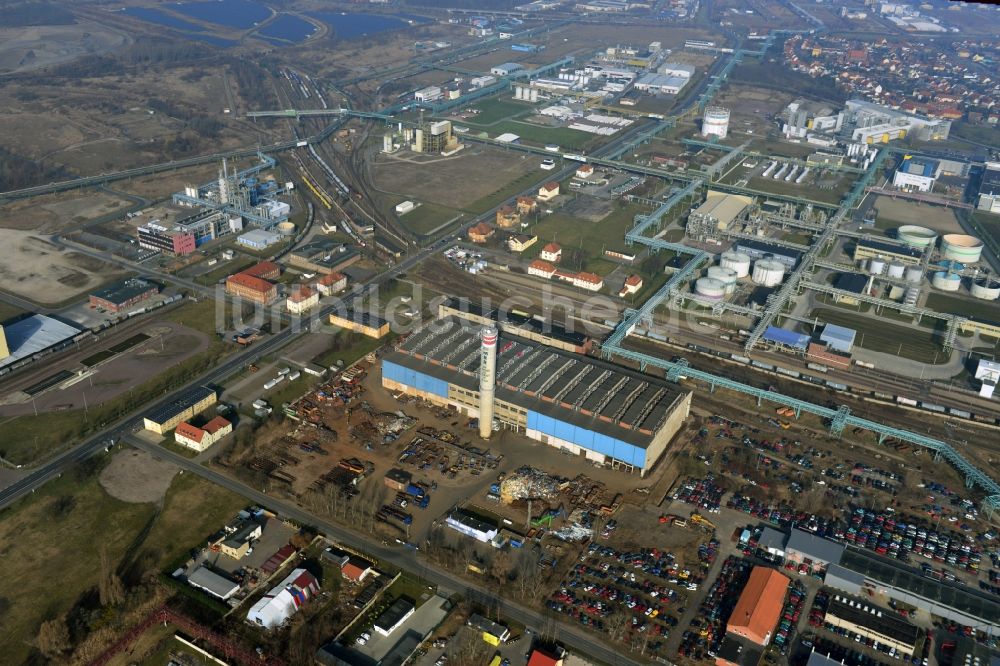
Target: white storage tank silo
{"points": [[737, 261], [768, 272], [876, 266], [946, 281], [709, 289], [913, 274], [896, 270], [715, 122], [959, 247], [985, 288], [726, 276], [916, 236]]}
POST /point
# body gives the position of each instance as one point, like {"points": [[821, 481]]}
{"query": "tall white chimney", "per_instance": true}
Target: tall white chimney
{"points": [[487, 380]]}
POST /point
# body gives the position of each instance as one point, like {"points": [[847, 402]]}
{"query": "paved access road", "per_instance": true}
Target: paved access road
{"points": [[403, 558]]}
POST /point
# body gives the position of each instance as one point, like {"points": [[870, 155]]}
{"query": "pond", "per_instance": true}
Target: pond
{"points": [[351, 26], [161, 18], [240, 14], [287, 28]]}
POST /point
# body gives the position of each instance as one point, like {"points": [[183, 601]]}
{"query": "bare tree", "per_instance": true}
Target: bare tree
{"points": [[53, 638]]}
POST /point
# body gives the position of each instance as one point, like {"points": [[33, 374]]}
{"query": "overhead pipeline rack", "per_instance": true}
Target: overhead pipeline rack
{"points": [[776, 302], [714, 145], [839, 418]]}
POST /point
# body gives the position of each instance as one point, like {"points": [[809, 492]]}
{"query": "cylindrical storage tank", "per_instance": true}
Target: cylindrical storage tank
{"points": [[896, 270], [916, 236], [953, 266], [726, 276], [286, 229], [737, 261], [876, 266], [709, 289], [715, 122], [913, 274], [946, 281], [768, 272], [967, 249], [987, 289]]}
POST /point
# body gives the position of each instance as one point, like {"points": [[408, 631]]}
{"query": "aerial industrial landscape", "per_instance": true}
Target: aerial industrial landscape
{"points": [[494, 333]]}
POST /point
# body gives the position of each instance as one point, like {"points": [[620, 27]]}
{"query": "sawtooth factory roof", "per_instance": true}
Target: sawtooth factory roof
{"points": [[573, 388]]}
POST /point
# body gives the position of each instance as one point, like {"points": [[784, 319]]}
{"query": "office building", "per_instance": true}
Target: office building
{"points": [[123, 295]]}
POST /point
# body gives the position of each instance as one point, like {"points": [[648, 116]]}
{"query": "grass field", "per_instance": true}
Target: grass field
{"points": [[985, 135], [225, 270], [494, 110], [506, 192], [915, 343], [349, 347], [592, 237], [968, 307], [57, 530], [427, 217], [537, 134]]}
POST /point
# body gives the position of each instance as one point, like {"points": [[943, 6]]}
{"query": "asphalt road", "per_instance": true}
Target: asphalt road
{"points": [[404, 558]]}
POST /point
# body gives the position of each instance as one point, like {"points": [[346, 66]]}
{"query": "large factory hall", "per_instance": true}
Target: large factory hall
{"points": [[587, 407]]}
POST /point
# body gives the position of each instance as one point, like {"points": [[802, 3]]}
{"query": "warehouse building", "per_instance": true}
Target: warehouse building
{"points": [[869, 248], [284, 599], [123, 295], [989, 188], [852, 284], [21, 339], [361, 322], [759, 607], [215, 584], [660, 84], [596, 410], [719, 211], [395, 615], [190, 402], [861, 617], [258, 239], [505, 69], [839, 338], [322, 255], [471, 526], [917, 173], [816, 552], [863, 572]]}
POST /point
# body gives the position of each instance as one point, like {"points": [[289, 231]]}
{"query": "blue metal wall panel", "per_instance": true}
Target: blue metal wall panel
{"points": [[417, 380], [588, 439]]}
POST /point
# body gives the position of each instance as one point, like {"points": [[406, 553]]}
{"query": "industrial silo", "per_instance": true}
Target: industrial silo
{"points": [[737, 261], [960, 247], [916, 236], [946, 281], [726, 276], [709, 289], [768, 272]]}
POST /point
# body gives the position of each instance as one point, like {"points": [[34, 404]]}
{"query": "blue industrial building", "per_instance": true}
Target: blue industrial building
{"points": [[588, 407]]}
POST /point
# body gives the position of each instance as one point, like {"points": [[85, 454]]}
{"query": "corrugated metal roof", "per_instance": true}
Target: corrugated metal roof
{"points": [[785, 337], [814, 547]]}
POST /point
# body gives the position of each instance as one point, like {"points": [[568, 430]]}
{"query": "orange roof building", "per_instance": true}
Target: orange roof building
{"points": [[267, 270], [759, 608], [480, 233], [251, 287]]}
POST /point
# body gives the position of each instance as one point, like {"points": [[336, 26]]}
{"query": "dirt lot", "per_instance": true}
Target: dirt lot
{"points": [[35, 269], [136, 477], [53, 213], [938, 218], [111, 378], [479, 171], [28, 48]]}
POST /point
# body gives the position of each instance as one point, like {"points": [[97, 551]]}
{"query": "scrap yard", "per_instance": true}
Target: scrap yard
{"points": [[551, 334]]}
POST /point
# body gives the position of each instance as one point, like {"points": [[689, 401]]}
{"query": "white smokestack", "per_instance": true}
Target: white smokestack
{"points": [[487, 380]]}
